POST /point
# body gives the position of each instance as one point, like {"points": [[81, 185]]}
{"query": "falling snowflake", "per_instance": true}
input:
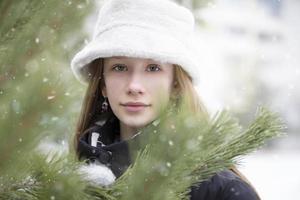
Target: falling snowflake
{"points": [[50, 97]]}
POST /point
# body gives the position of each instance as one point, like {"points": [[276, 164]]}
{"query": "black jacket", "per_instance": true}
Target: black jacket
{"points": [[101, 142]]}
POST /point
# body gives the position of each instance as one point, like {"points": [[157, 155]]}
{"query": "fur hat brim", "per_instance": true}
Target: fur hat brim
{"points": [[138, 42]]}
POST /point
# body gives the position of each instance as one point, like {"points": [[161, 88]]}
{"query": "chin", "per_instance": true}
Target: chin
{"points": [[137, 122]]}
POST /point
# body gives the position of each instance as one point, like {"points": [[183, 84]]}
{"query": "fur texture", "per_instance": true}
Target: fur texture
{"points": [[157, 29], [97, 174]]}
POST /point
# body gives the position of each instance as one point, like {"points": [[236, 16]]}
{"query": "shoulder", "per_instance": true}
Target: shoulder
{"points": [[225, 185]]}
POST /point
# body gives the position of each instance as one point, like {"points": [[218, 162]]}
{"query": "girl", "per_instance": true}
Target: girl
{"points": [[140, 60]]}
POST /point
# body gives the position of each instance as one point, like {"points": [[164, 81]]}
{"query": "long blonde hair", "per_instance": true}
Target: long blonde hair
{"points": [[184, 91]]}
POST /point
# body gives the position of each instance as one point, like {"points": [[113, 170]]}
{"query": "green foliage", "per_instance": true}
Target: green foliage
{"points": [[180, 151], [196, 4], [45, 177], [186, 150], [36, 84]]}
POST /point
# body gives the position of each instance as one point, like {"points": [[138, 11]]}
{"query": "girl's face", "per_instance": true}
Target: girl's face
{"points": [[137, 88]]}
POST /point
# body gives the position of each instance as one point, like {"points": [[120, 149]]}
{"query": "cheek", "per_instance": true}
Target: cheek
{"points": [[112, 89], [160, 88]]}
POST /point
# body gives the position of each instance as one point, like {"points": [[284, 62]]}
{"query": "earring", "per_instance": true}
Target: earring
{"points": [[104, 106], [175, 84]]}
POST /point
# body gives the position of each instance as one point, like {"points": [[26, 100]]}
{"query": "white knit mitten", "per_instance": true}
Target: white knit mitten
{"points": [[98, 174]]}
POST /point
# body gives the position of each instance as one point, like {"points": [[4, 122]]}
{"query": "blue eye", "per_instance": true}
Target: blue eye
{"points": [[153, 68], [119, 67]]}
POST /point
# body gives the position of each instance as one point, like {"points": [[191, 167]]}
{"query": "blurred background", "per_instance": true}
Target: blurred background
{"points": [[249, 55], [252, 53]]}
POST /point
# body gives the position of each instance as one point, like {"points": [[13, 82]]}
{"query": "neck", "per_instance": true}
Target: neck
{"points": [[126, 132]]}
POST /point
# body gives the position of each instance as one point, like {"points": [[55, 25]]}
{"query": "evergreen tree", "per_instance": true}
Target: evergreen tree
{"points": [[40, 101], [36, 87]]}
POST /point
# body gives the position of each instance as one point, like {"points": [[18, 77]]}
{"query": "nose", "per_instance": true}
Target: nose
{"points": [[135, 85]]}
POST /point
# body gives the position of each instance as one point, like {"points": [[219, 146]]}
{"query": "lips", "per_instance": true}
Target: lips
{"points": [[135, 106]]}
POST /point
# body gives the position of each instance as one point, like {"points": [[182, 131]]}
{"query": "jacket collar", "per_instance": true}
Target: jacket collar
{"points": [[101, 143]]}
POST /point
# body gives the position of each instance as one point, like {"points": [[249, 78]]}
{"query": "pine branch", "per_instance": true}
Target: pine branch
{"points": [[165, 168], [48, 177], [179, 160]]}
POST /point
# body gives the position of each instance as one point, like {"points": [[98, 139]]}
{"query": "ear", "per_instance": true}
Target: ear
{"points": [[175, 84], [175, 90], [103, 90], [175, 87]]}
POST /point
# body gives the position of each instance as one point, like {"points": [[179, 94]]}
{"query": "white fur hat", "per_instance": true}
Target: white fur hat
{"points": [[156, 29]]}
